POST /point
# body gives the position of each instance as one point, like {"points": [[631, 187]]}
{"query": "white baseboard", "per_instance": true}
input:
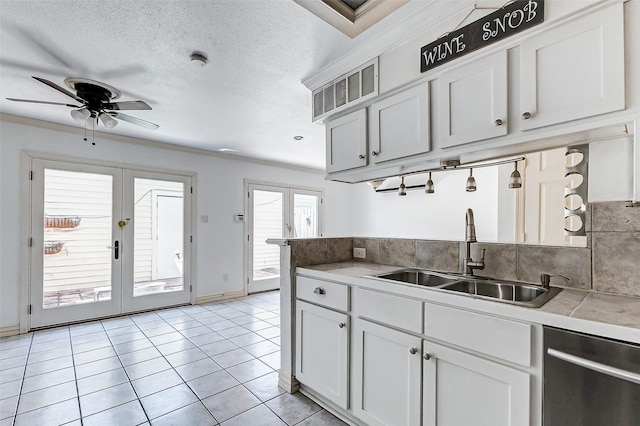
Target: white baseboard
{"points": [[9, 331], [218, 297]]}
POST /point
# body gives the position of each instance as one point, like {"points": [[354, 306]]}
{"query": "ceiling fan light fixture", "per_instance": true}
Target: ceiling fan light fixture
{"points": [[80, 115], [107, 120]]}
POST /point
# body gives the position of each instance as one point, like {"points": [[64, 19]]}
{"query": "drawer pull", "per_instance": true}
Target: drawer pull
{"points": [[374, 153], [341, 325], [413, 351], [361, 157], [498, 122], [426, 356], [319, 290], [526, 115]]}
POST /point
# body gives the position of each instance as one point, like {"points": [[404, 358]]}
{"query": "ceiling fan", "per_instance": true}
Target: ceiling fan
{"points": [[96, 101]]}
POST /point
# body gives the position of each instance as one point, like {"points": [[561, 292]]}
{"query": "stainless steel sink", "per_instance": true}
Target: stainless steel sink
{"points": [[484, 288], [417, 276], [517, 293]]}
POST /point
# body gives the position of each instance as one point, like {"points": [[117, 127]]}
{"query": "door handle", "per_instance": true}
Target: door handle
{"points": [[116, 247], [619, 373]]}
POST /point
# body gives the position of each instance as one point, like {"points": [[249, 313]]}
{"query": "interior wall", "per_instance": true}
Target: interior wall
{"points": [[219, 243]]}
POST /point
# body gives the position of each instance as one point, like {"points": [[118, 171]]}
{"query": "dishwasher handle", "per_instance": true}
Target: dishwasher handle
{"points": [[596, 366]]}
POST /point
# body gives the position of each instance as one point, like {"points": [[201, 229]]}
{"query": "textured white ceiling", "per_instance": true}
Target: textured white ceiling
{"points": [[248, 98]]}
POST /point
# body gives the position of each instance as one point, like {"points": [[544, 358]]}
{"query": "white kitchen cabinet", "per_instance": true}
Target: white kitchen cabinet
{"points": [[573, 71], [322, 351], [387, 365], [346, 139], [472, 101], [399, 125], [462, 389]]}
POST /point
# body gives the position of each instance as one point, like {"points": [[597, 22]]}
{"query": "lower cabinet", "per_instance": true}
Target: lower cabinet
{"points": [[322, 351], [387, 369], [462, 389]]}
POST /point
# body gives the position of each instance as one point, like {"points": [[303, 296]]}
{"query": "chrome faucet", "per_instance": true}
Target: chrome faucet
{"points": [[470, 237]]}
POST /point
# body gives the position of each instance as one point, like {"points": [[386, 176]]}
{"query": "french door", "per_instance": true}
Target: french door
{"points": [[277, 212], [106, 241]]}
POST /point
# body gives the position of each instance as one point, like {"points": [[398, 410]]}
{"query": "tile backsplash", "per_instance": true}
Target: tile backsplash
{"points": [[610, 263]]}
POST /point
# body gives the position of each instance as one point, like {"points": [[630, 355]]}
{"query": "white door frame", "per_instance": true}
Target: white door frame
{"points": [[248, 220], [26, 196]]}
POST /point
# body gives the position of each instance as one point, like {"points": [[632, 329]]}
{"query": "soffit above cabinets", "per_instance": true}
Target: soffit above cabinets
{"points": [[352, 17]]}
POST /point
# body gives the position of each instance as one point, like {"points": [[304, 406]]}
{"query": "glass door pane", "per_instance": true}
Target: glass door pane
{"points": [[158, 236], [305, 215], [77, 238], [268, 218]]}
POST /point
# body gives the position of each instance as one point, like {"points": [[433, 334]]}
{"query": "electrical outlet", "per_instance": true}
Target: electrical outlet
{"points": [[360, 253]]}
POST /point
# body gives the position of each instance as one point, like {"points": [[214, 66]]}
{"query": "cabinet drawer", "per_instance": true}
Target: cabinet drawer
{"points": [[325, 293], [389, 309], [505, 339]]}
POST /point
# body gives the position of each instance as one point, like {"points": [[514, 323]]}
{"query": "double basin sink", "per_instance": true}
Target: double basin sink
{"points": [[516, 293]]}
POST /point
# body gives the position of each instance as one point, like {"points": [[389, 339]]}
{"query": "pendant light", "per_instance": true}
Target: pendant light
{"points": [[429, 188], [403, 188], [471, 182], [515, 180]]}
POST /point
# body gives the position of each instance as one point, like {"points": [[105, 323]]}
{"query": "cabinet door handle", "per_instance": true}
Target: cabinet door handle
{"points": [[319, 290], [374, 153], [341, 325], [426, 356], [361, 157], [526, 115], [498, 122], [413, 351]]}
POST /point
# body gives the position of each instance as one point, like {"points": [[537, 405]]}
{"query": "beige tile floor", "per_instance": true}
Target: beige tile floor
{"points": [[195, 365]]}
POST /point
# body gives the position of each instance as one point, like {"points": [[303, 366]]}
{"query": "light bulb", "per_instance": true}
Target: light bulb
{"points": [[471, 182], [403, 188], [107, 120], [429, 188], [515, 180]]}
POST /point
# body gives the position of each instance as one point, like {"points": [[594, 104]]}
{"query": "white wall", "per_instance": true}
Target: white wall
{"points": [[431, 216], [219, 244]]}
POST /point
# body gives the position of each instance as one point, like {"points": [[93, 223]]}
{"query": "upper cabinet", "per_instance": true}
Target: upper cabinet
{"points": [[562, 78], [347, 141], [399, 125], [472, 101], [574, 70]]}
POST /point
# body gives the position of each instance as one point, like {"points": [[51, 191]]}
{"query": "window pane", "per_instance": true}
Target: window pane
{"points": [[158, 236], [77, 238]]}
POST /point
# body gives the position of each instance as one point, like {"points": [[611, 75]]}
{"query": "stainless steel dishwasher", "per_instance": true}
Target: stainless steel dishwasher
{"points": [[590, 380]]}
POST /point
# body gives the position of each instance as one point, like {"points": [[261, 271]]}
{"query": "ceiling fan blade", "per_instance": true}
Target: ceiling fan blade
{"points": [[60, 89], [134, 120], [43, 102], [127, 105]]}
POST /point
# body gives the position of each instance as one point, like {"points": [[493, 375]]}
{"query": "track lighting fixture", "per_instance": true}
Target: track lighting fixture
{"points": [[515, 180], [429, 188], [403, 189], [471, 182]]}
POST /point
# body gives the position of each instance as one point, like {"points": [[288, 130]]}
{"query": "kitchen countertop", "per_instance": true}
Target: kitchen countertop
{"points": [[600, 314]]}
